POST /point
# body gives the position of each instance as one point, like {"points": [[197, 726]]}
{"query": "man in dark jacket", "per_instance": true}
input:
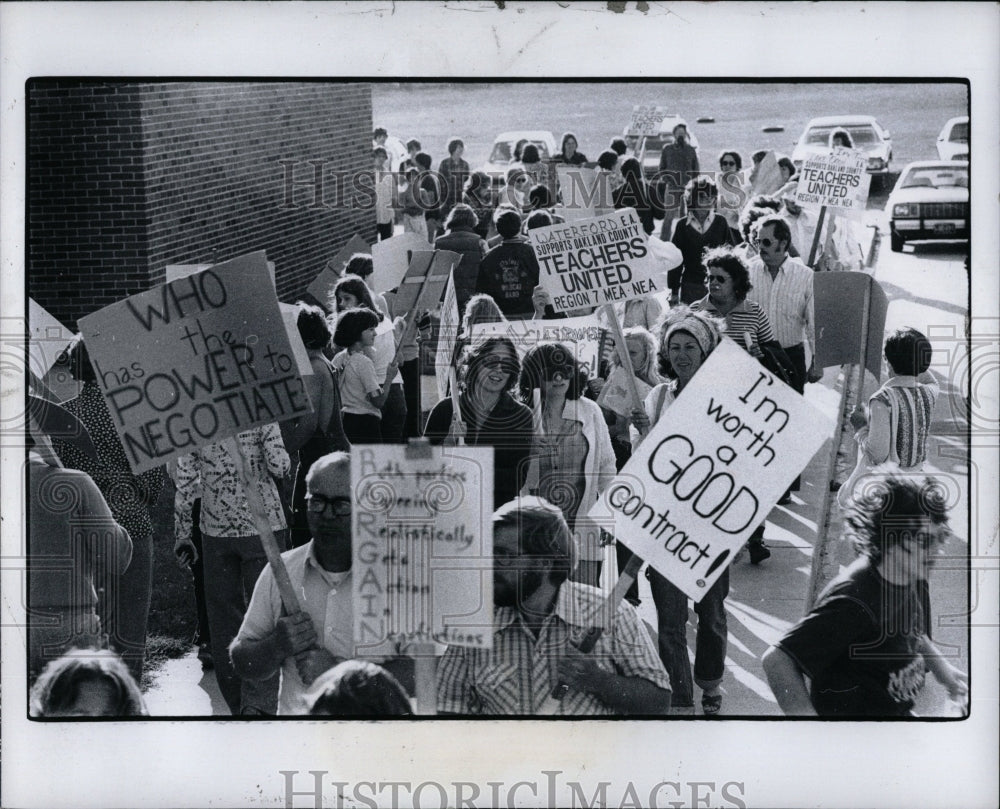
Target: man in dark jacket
{"points": [[509, 273]]}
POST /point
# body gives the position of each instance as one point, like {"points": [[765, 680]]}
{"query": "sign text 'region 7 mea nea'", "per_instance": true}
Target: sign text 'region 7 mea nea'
{"points": [[596, 261], [194, 361]]}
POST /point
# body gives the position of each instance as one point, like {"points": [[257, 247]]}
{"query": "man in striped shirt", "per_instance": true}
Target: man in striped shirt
{"points": [[539, 615]]}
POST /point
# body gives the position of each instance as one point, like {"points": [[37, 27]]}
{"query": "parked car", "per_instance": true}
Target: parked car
{"points": [[867, 134], [953, 142], [649, 147], [502, 153], [930, 201]]}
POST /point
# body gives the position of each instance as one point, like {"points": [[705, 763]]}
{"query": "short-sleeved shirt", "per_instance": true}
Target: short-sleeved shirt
{"points": [[358, 381], [516, 676], [859, 646]]}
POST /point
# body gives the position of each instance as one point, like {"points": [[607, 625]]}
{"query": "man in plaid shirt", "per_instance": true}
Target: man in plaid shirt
{"points": [[539, 615]]}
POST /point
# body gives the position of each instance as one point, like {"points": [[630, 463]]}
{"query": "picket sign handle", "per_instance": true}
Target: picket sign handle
{"points": [[819, 231], [411, 316], [259, 513], [625, 580], [425, 676], [623, 357]]}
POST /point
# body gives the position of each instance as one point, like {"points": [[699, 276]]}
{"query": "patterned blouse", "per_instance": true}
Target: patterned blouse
{"points": [[210, 473], [129, 496]]}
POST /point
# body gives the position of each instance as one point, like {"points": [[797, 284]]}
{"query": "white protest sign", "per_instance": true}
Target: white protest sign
{"points": [[47, 340], [391, 259], [290, 317], [194, 361], [646, 119], [766, 176], [616, 395], [423, 545], [581, 335], [585, 192], [596, 261], [710, 470], [323, 284], [837, 180], [444, 356], [385, 346]]}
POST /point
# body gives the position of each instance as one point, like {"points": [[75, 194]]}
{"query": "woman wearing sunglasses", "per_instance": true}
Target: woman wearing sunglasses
{"points": [[489, 414], [572, 460]]}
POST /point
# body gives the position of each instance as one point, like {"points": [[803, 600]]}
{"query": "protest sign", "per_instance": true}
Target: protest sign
{"points": [[616, 395], [766, 177], [425, 279], [385, 346], [47, 341], [709, 472], [836, 179], [596, 261], [841, 333], [646, 120], [391, 258], [580, 335], [194, 361], [585, 192], [423, 545], [290, 317], [172, 272], [322, 286], [444, 357]]}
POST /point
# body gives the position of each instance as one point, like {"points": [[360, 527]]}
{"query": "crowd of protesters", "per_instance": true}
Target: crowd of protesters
{"points": [[558, 439]]}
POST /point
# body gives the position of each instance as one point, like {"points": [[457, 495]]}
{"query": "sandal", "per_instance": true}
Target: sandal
{"points": [[711, 704]]}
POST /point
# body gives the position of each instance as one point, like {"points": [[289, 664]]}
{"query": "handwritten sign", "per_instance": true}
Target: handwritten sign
{"points": [[837, 179], [322, 286], [391, 259], [596, 261], [194, 361], [646, 119], [172, 272], [766, 177], [580, 335], [423, 545], [709, 472]]}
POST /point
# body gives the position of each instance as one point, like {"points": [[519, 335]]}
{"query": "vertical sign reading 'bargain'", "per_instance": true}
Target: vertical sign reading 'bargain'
{"points": [[711, 469], [194, 361]]}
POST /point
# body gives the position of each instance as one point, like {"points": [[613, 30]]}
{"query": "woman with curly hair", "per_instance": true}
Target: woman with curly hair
{"points": [[86, 682]]}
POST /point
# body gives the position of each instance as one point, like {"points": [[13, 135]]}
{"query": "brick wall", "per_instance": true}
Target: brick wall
{"points": [[125, 178]]}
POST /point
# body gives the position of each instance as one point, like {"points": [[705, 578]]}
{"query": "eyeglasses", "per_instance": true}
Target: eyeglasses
{"points": [[725, 163], [719, 279], [318, 504], [766, 242], [504, 363]]}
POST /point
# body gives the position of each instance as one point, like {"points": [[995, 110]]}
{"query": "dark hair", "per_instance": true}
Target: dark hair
{"points": [[541, 531], [539, 196], [759, 155], [607, 159], [454, 144], [844, 135], [508, 223], [480, 308], [475, 355], [413, 143], [890, 510], [461, 216], [618, 146], [379, 132], [477, 180], [781, 230], [631, 168], [749, 218], [313, 327], [423, 160], [360, 264], [354, 285], [529, 154], [351, 324], [538, 219], [519, 148], [702, 190], [764, 201], [78, 359], [542, 359], [908, 352], [566, 137], [58, 686], [733, 154], [379, 150], [786, 162], [723, 258], [359, 688]]}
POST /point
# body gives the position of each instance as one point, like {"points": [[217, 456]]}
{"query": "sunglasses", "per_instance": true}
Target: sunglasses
{"points": [[725, 163], [318, 504], [505, 364], [720, 279], [565, 371], [766, 242]]}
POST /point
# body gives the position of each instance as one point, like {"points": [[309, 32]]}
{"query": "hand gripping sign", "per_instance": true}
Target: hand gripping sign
{"points": [[194, 361], [711, 469], [596, 261]]}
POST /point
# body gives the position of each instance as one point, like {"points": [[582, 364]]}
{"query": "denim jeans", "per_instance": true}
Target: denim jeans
{"points": [[711, 639]]}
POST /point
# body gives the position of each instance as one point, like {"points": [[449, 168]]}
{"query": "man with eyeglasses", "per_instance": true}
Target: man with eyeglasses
{"points": [[304, 645], [865, 646], [538, 614]]}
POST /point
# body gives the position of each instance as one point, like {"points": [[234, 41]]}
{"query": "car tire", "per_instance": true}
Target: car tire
{"points": [[895, 242]]}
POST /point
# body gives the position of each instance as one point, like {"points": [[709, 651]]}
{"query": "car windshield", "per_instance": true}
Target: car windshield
{"points": [[959, 133], [861, 135], [936, 177]]}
